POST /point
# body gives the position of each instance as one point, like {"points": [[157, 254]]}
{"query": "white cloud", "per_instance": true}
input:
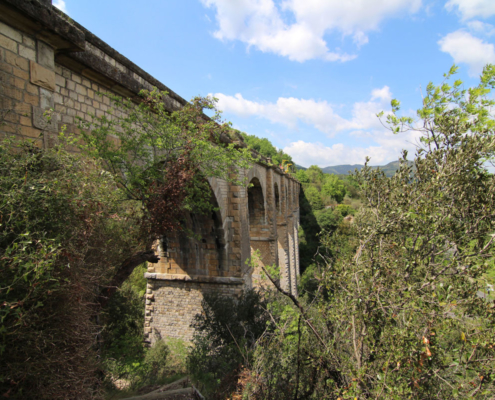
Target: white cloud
{"points": [[261, 23], [465, 48], [389, 148], [290, 111], [472, 8], [482, 28], [363, 125], [60, 4]]}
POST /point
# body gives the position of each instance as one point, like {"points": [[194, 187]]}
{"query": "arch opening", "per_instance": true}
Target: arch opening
{"points": [[199, 248], [256, 203]]}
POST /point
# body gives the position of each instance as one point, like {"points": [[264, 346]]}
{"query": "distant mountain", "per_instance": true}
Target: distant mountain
{"points": [[342, 169], [389, 169]]}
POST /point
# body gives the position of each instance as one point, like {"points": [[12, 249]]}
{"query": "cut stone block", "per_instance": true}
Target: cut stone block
{"points": [[42, 76]]}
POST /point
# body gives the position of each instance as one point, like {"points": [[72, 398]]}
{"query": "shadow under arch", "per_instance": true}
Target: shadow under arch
{"points": [[277, 198], [199, 248], [256, 203]]}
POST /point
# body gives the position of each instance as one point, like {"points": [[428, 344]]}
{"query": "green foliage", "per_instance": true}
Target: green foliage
{"points": [[308, 283], [314, 198], [333, 187], [59, 239], [315, 175], [317, 208], [162, 158], [328, 220], [226, 333], [308, 231], [344, 210], [123, 321], [265, 148], [177, 357], [399, 316], [302, 176], [155, 361]]}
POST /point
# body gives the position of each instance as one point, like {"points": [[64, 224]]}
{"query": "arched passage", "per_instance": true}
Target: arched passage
{"points": [[259, 232], [256, 203], [198, 249]]}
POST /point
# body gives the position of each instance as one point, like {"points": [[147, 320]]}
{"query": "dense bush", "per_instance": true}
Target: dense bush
{"points": [[122, 320], [124, 357], [403, 315], [226, 332], [59, 238]]}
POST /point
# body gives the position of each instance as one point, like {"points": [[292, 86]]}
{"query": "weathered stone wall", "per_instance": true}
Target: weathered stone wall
{"points": [[49, 62], [172, 304]]}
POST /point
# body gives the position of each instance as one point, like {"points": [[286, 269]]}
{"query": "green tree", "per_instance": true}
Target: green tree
{"points": [[267, 149], [62, 228], [328, 220], [404, 315], [226, 333], [333, 187], [314, 197], [315, 175], [302, 176]]}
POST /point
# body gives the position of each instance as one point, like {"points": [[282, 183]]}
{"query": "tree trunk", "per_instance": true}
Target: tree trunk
{"points": [[124, 271]]}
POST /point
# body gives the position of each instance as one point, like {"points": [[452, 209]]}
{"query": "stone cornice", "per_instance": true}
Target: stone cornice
{"points": [[195, 278]]}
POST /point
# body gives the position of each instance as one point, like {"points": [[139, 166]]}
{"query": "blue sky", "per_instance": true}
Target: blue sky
{"points": [[309, 75]]}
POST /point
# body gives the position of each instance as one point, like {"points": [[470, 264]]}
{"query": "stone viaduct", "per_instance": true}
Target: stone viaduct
{"points": [[48, 61]]}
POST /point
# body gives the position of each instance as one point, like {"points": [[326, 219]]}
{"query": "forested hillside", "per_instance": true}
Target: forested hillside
{"points": [[389, 169]]}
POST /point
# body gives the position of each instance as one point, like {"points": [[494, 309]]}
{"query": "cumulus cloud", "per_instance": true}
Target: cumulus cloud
{"points": [[388, 148], [468, 49], [60, 4], [482, 28], [296, 28], [469, 9], [378, 142], [291, 111]]}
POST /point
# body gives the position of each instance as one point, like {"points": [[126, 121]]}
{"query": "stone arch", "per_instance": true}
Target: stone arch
{"points": [[260, 175], [256, 203], [220, 188], [199, 249]]}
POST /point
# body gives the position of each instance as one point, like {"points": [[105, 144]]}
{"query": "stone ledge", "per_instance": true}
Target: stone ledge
{"points": [[262, 239], [195, 279], [47, 23]]}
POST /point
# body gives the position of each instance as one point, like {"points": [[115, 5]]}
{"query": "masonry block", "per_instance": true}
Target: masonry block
{"points": [[10, 32], [16, 61], [8, 43], [31, 99], [20, 73], [40, 121], [46, 55], [42, 76], [30, 132], [27, 52], [28, 42]]}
